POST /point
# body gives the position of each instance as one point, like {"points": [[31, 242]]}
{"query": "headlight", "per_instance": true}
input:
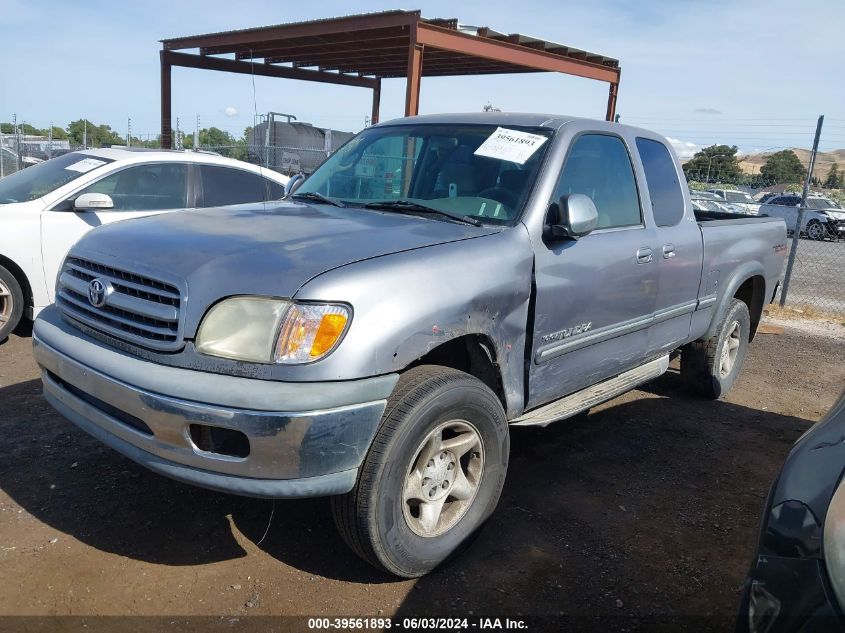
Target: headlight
{"points": [[264, 330], [310, 331], [242, 328]]}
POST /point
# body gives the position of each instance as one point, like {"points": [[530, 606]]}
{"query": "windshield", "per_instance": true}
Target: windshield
{"points": [[819, 203], [480, 171], [39, 180], [738, 196]]}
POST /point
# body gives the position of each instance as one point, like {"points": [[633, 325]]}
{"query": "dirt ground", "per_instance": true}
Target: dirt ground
{"points": [[643, 512]]}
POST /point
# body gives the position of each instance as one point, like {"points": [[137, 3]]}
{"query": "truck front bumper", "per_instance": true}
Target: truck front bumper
{"points": [[245, 436]]}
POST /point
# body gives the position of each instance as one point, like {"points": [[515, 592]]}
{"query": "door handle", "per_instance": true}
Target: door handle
{"points": [[668, 251], [643, 255]]}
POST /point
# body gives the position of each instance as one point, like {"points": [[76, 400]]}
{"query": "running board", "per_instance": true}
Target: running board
{"points": [[591, 396]]}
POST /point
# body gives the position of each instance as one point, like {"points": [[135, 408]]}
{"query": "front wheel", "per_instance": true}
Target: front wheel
{"points": [[11, 303], [433, 474], [710, 367], [815, 230]]}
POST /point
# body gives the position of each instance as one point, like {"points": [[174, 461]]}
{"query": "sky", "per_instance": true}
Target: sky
{"points": [[752, 73]]}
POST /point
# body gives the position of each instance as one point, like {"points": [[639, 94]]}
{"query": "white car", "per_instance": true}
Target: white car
{"points": [[46, 208], [822, 217]]}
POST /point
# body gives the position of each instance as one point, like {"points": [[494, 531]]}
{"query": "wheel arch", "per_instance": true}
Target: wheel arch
{"points": [[749, 286], [21, 278], [474, 354]]}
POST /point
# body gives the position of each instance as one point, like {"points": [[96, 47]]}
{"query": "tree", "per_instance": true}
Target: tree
{"points": [[215, 137], [98, 135], [783, 166], [58, 133], [717, 163], [834, 179]]}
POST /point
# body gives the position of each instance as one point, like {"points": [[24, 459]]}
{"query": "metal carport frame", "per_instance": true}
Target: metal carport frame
{"points": [[361, 50]]}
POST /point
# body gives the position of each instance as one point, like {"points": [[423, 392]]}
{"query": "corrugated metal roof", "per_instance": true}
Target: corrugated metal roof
{"points": [[377, 44]]}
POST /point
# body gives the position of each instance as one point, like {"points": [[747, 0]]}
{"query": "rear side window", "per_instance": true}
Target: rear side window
{"points": [[223, 185], [599, 167], [667, 201]]}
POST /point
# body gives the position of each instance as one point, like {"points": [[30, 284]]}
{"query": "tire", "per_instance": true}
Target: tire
{"points": [[703, 364], [11, 303], [392, 529], [815, 230]]}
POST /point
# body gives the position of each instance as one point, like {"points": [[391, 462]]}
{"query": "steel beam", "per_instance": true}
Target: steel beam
{"points": [[611, 101], [414, 73], [248, 68], [166, 133], [376, 102], [446, 39]]}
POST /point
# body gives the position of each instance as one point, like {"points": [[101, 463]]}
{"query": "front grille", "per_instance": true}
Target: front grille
{"points": [[137, 309]]}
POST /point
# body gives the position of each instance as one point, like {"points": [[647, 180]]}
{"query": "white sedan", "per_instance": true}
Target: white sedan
{"points": [[46, 208]]}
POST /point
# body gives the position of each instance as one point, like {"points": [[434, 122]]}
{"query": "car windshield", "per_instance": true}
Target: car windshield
{"points": [[819, 203], [39, 180], [483, 172], [738, 196]]}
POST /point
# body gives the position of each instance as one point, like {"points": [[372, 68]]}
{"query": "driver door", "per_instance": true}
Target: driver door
{"points": [[135, 191]]}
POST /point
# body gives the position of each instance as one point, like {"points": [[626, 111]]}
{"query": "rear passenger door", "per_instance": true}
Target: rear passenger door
{"points": [[595, 295], [679, 248], [219, 186]]}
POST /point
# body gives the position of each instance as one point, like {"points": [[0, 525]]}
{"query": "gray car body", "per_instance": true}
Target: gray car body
{"points": [[416, 283]]}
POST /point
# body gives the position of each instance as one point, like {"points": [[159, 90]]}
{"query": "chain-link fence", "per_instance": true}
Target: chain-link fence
{"points": [[817, 280]]}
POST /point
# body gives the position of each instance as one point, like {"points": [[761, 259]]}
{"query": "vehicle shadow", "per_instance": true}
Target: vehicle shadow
{"points": [[625, 504]]}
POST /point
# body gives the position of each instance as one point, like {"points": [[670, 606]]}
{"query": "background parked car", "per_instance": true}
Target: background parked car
{"points": [[822, 217], [797, 579], [709, 201], [739, 199], [46, 208]]}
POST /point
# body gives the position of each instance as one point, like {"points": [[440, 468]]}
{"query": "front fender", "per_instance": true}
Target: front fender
{"points": [[406, 304]]}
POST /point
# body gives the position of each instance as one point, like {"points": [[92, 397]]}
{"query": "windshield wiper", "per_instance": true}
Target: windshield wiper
{"points": [[406, 206], [313, 195]]}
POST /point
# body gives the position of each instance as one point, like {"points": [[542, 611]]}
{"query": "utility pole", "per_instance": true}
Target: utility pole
{"points": [[50, 142], [128, 132], [197, 135], [84, 133], [17, 141], [796, 232]]}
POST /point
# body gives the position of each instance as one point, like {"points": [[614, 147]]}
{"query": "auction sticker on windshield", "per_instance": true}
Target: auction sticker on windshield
{"points": [[85, 165], [511, 145]]}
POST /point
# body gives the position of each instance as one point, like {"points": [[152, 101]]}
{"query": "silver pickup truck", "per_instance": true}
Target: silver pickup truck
{"points": [[373, 337]]}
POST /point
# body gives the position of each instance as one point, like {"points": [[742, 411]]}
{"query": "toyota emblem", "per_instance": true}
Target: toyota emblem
{"points": [[97, 292]]}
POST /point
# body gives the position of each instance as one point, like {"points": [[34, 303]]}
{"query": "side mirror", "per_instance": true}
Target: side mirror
{"points": [[576, 217], [294, 182], [93, 202]]}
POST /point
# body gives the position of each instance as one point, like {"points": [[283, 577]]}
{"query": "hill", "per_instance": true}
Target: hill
{"points": [[751, 163]]}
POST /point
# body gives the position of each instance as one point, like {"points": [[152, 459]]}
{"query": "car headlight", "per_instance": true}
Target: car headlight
{"points": [[834, 543], [265, 330]]}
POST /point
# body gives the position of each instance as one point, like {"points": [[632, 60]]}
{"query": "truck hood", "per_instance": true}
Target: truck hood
{"points": [[271, 249]]}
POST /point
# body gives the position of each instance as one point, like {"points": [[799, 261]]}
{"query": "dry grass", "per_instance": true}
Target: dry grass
{"points": [[802, 312]]}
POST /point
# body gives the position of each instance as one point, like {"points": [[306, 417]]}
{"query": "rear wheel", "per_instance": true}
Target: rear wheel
{"points": [[710, 367], [433, 475], [11, 303]]}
